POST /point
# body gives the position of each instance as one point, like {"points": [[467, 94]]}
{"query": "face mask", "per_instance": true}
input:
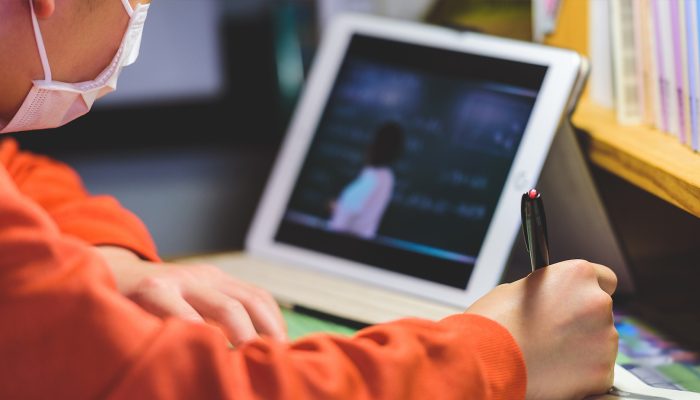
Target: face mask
{"points": [[50, 104]]}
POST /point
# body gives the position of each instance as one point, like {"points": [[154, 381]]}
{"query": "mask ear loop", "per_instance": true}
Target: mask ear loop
{"points": [[40, 44], [128, 8]]}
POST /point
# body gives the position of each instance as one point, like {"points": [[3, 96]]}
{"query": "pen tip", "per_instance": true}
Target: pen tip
{"points": [[532, 193]]}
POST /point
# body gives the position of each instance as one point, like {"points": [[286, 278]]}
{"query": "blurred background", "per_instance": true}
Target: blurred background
{"points": [[188, 139]]}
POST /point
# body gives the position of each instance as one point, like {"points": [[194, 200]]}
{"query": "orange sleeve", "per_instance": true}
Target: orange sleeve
{"points": [[98, 220], [67, 333]]}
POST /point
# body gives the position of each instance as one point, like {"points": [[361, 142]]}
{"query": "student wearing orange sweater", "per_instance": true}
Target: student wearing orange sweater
{"points": [[87, 309]]}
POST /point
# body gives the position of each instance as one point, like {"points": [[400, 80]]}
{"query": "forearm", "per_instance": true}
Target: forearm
{"points": [[465, 356]]}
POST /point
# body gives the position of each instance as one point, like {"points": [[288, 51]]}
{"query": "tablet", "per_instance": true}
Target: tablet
{"points": [[407, 155]]}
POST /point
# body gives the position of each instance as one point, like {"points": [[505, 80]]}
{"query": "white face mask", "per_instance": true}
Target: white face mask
{"points": [[50, 104]]}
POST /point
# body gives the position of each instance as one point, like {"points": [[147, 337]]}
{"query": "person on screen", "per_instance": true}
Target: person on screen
{"points": [[89, 310], [361, 205]]}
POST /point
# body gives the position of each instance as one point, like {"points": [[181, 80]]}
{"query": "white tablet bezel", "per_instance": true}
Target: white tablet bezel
{"points": [[549, 109]]}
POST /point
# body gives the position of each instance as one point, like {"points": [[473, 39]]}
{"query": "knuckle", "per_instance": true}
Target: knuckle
{"points": [[614, 340], [152, 283], [615, 335], [262, 295], [605, 302], [585, 270], [613, 279], [601, 304], [253, 296], [230, 308]]}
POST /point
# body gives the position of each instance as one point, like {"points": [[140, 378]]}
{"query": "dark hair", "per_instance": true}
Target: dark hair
{"points": [[387, 145]]}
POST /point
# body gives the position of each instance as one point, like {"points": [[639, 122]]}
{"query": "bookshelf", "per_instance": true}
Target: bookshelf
{"points": [[645, 157]]}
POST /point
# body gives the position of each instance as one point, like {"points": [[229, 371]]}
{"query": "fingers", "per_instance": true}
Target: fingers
{"points": [[204, 292], [607, 280], [227, 312], [160, 299], [261, 307]]}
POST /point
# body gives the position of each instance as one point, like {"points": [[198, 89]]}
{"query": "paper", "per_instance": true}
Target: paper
{"points": [[628, 386]]}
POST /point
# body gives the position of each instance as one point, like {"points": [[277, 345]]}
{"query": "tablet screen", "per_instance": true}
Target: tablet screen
{"points": [[409, 158]]}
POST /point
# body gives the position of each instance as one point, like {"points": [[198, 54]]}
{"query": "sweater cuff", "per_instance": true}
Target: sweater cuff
{"points": [[496, 348], [101, 221]]}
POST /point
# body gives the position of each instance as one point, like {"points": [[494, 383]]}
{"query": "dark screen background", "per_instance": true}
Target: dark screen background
{"points": [[463, 117]]}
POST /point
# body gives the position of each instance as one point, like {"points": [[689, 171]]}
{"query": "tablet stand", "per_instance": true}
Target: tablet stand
{"points": [[577, 223]]}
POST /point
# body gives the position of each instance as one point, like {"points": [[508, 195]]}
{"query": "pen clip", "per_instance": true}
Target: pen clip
{"points": [[540, 211], [523, 204]]}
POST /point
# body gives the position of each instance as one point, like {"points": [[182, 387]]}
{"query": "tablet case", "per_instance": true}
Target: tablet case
{"points": [[577, 222]]}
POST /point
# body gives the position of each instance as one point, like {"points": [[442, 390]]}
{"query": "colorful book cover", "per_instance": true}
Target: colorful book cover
{"points": [[691, 18], [680, 68], [667, 65]]}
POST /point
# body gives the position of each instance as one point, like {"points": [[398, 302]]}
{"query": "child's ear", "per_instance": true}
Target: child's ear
{"points": [[44, 8]]}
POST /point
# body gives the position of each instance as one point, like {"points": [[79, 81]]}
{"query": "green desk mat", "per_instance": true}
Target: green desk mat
{"points": [[301, 324]]}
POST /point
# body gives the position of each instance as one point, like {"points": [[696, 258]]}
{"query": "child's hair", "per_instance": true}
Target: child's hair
{"points": [[387, 145]]}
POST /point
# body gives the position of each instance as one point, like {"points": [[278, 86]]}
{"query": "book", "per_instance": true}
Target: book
{"points": [[677, 8], [626, 88], [693, 15], [652, 54], [625, 84], [667, 73], [644, 56], [601, 80]]}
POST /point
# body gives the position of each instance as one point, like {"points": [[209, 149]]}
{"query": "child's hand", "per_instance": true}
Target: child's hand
{"points": [[561, 316], [197, 293]]}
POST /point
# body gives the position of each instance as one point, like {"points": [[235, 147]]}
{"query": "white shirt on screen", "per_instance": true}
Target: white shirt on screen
{"points": [[361, 205]]}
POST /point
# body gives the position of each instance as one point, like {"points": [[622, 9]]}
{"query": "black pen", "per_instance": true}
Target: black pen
{"points": [[535, 229]]}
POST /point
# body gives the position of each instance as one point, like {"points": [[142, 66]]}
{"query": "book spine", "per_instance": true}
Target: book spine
{"points": [[692, 65], [601, 81], [661, 66], [677, 31], [695, 140], [639, 66], [624, 71], [652, 53], [668, 81]]}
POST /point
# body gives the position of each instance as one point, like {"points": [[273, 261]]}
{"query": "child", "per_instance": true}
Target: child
{"points": [[88, 310]]}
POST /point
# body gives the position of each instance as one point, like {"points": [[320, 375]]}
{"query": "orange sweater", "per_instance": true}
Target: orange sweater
{"points": [[66, 333]]}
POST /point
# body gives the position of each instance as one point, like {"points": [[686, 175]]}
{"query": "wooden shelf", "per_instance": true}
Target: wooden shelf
{"points": [[648, 158]]}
